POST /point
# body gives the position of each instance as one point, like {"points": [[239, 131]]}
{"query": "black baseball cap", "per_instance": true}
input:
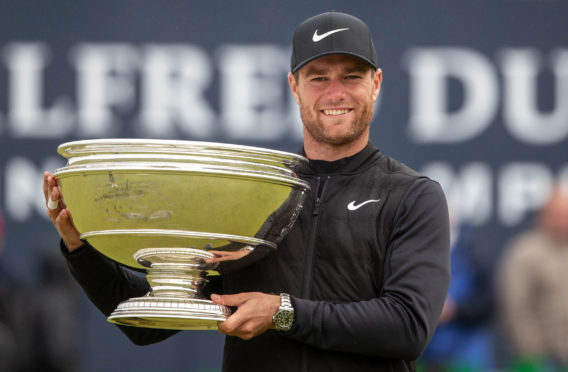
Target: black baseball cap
{"points": [[332, 33]]}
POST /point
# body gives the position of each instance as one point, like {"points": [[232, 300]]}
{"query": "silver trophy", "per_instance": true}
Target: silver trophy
{"points": [[173, 207]]}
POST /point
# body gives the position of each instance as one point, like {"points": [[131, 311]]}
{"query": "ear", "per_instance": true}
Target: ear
{"points": [[293, 87], [377, 79]]}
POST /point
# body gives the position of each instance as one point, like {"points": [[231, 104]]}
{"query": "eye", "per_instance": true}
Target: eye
{"points": [[352, 77], [318, 78]]}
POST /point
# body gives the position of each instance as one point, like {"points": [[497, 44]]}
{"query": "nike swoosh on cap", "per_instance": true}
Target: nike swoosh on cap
{"points": [[317, 37], [351, 206]]}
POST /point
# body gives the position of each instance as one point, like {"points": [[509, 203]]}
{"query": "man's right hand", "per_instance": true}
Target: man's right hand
{"points": [[59, 214]]}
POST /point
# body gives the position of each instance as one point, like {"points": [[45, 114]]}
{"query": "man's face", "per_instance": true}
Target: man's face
{"points": [[336, 94], [554, 215]]}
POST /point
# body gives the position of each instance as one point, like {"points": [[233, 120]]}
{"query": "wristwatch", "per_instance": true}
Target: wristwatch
{"points": [[284, 316]]}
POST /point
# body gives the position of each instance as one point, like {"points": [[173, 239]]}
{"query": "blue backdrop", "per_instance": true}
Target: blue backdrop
{"points": [[475, 94]]}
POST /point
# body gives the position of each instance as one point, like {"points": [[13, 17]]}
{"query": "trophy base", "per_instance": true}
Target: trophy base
{"points": [[169, 313]]}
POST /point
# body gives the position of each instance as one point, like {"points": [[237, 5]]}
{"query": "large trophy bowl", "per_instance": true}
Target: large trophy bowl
{"points": [[182, 211]]}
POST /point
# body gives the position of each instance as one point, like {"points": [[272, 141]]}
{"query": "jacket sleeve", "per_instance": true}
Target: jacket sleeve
{"points": [[107, 284], [401, 320]]}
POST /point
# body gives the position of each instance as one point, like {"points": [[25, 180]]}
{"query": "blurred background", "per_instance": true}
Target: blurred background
{"points": [[475, 95]]}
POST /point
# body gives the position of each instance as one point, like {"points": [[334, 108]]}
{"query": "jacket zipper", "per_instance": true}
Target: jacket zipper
{"points": [[310, 257], [310, 252]]}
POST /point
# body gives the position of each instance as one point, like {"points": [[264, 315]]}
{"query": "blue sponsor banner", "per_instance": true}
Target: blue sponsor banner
{"points": [[475, 94]]}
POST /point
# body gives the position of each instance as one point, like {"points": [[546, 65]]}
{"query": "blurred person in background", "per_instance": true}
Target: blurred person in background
{"points": [[464, 337], [534, 287]]}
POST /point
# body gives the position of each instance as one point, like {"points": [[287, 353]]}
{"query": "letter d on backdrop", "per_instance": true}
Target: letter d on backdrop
{"points": [[430, 119]]}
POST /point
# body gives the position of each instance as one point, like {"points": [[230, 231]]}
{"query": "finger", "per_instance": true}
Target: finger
{"points": [[232, 324], [50, 184], [53, 202], [46, 174], [53, 205], [63, 222], [220, 256], [244, 325], [229, 300], [57, 186], [66, 228], [57, 196]]}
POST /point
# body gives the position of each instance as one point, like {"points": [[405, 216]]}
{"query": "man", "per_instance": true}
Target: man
{"points": [[532, 286], [364, 271]]}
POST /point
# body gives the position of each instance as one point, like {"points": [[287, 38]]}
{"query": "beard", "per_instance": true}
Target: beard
{"points": [[321, 134]]}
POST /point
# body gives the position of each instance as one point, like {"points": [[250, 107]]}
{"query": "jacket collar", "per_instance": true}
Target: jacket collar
{"points": [[344, 165]]}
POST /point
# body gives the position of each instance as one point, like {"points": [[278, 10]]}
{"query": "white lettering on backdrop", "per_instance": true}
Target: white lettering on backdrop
{"points": [[163, 87], [27, 115], [105, 81], [431, 68], [174, 81], [520, 112], [519, 189]]}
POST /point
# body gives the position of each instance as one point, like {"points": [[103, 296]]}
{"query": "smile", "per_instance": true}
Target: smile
{"points": [[335, 112]]}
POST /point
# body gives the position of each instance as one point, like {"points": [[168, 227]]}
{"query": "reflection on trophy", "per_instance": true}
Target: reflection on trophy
{"points": [[181, 210]]}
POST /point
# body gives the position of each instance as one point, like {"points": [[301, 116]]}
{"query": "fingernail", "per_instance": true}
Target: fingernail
{"points": [[215, 297]]}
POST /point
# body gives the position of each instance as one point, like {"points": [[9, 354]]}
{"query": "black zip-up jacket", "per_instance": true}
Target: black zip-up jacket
{"points": [[366, 264]]}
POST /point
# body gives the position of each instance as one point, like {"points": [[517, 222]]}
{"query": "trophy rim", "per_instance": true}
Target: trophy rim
{"points": [[179, 233], [159, 155], [152, 146]]}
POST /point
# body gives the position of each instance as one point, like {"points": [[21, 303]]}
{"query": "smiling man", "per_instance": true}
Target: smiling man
{"points": [[360, 280], [364, 272]]}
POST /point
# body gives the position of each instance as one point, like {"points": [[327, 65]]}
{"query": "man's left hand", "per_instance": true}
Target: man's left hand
{"points": [[253, 316]]}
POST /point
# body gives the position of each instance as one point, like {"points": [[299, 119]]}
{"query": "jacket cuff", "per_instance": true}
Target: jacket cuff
{"points": [[300, 308], [67, 253]]}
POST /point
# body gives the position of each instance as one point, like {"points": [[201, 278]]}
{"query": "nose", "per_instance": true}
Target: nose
{"points": [[335, 91]]}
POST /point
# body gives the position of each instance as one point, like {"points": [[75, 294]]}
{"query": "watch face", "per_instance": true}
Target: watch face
{"points": [[284, 319]]}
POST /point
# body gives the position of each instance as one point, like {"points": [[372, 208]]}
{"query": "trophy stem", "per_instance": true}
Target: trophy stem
{"points": [[176, 276], [175, 281]]}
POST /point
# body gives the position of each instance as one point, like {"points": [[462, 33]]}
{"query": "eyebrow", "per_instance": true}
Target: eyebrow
{"points": [[358, 66], [315, 71]]}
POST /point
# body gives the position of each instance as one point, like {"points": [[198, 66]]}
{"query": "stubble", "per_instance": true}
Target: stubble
{"points": [[356, 129]]}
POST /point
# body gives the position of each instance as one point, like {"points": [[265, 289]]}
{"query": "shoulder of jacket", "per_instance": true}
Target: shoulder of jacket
{"points": [[396, 173]]}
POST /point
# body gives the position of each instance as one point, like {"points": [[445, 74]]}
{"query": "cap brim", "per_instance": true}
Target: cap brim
{"points": [[329, 53]]}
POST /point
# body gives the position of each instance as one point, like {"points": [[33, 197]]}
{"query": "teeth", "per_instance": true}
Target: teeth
{"points": [[336, 112]]}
